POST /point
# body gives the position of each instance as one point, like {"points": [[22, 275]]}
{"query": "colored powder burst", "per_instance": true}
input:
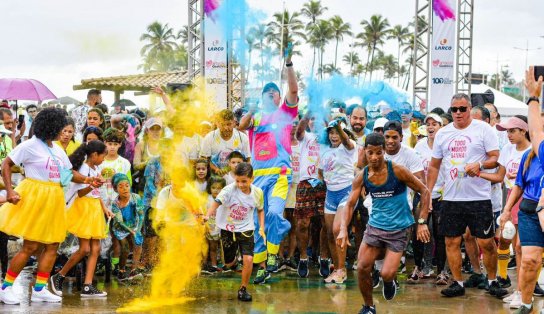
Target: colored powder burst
{"points": [[443, 10], [182, 236], [210, 6]]}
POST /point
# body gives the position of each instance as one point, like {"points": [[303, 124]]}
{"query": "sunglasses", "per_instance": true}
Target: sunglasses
{"points": [[460, 109]]}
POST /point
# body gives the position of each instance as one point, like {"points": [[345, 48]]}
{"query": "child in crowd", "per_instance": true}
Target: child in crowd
{"points": [[113, 163], [235, 206], [202, 174], [233, 159], [215, 185], [92, 133], [127, 226], [85, 219]]}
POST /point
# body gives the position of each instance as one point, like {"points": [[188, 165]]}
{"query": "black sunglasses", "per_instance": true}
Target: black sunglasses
{"points": [[461, 109]]}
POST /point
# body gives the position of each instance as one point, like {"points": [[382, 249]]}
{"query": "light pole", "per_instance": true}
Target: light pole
{"points": [[526, 49]]}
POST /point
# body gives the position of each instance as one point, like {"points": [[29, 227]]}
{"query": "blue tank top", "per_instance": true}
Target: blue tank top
{"points": [[390, 209]]}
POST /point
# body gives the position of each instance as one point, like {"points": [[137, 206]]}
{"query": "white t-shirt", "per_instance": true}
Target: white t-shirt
{"points": [[338, 166], [189, 148], [426, 153], [295, 163], [215, 146], [408, 158], [309, 157], [88, 172], [406, 134], [36, 159], [119, 165], [236, 212], [510, 158], [457, 148]]}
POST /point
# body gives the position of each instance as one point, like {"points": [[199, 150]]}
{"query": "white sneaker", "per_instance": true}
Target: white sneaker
{"points": [[354, 267], [44, 296], [8, 296], [509, 298], [515, 303]]}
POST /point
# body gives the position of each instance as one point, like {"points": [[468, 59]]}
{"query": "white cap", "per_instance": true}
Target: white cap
{"points": [[380, 123], [433, 116]]}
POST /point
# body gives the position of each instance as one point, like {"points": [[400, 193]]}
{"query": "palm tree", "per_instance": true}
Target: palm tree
{"points": [[329, 69], [183, 35], [358, 69], [251, 42], [351, 59], [400, 34], [312, 10], [339, 29], [376, 29], [290, 26], [365, 41], [321, 33], [159, 38], [389, 66], [262, 34]]}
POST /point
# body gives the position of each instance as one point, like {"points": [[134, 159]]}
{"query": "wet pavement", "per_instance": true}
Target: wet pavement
{"points": [[285, 293]]}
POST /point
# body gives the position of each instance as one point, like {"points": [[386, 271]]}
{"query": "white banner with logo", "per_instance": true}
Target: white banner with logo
{"points": [[215, 64], [442, 74]]}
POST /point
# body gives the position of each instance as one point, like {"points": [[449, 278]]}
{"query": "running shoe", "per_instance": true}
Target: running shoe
{"points": [[354, 266], [397, 284], [426, 273], [302, 268], [496, 290], [524, 310], [512, 263], [44, 295], [367, 309], [509, 298], [272, 263], [338, 276], [516, 303], [243, 295], [134, 275], [402, 268], [375, 278], [415, 276], [122, 275], [262, 276], [324, 267], [474, 280], [55, 282], [389, 290], [504, 282], [454, 290], [8, 296], [467, 266], [90, 291], [290, 264], [538, 291], [442, 279]]}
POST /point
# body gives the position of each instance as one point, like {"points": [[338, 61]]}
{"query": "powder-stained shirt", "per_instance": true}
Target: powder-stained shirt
{"points": [[218, 149], [237, 210]]}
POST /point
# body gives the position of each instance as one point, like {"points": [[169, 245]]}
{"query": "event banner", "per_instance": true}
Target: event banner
{"points": [[215, 64], [442, 74]]}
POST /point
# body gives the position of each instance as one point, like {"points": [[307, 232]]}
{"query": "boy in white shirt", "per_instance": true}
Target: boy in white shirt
{"points": [[237, 203], [233, 159]]}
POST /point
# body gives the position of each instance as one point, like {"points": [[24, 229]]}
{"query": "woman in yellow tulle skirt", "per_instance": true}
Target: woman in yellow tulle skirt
{"points": [[85, 218], [36, 208]]}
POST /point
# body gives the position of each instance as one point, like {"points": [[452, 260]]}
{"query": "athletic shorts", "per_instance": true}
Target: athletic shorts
{"points": [[530, 232], [456, 216], [310, 200], [395, 241], [232, 242], [333, 199]]}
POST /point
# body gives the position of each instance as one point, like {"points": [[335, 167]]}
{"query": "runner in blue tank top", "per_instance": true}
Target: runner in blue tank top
{"points": [[387, 231]]}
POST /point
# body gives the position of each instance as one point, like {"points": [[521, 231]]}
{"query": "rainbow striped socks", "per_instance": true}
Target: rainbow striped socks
{"points": [[41, 281], [10, 278]]}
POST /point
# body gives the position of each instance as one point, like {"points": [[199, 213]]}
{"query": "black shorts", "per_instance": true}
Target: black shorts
{"points": [[231, 242], [455, 217]]}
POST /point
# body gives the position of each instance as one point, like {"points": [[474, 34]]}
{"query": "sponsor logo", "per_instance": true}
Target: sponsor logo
{"points": [[443, 45], [215, 65], [219, 48], [442, 64], [216, 81], [442, 80]]}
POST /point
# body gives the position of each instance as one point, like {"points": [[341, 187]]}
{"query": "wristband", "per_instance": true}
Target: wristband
{"points": [[290, 64], [533, 98]]}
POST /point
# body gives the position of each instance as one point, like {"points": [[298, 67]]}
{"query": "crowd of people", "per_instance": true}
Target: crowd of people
{"points": [[286, 190]]}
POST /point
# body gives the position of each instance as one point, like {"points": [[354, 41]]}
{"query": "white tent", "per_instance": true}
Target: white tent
{"points": [[507, 106]]}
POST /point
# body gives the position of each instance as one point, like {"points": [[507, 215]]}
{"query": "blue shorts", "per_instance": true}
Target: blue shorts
{"points": [[530, 233], [334, 198]]}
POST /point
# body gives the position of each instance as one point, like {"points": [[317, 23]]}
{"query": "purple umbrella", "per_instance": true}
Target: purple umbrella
{"points": [[24, 89]]}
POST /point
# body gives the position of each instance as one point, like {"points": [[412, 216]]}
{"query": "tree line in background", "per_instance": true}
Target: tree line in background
{"points": [[166, 49]]}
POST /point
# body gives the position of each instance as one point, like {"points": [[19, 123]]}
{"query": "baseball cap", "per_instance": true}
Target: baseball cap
{"points": [[152, 122], [513, 123], [433, 116], [380, 123], [269, 86]]}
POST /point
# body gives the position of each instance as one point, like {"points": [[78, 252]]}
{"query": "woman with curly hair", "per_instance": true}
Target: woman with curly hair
{"points": [[66, 139], [36, 208]]}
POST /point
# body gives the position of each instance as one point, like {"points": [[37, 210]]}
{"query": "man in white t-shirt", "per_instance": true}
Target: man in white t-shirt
{"points": [[218, 144], [466, 147], [357, 123]]}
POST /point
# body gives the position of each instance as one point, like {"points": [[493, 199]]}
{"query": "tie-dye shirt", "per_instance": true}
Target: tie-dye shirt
{"points": [[270, 137]]}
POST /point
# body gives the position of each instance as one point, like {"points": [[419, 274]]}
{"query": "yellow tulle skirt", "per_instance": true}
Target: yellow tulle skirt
{"points": [[39, 215], [85, 219]]}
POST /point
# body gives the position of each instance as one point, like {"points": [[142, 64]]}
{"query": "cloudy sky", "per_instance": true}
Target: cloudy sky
{"points": [[60, 42]]}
